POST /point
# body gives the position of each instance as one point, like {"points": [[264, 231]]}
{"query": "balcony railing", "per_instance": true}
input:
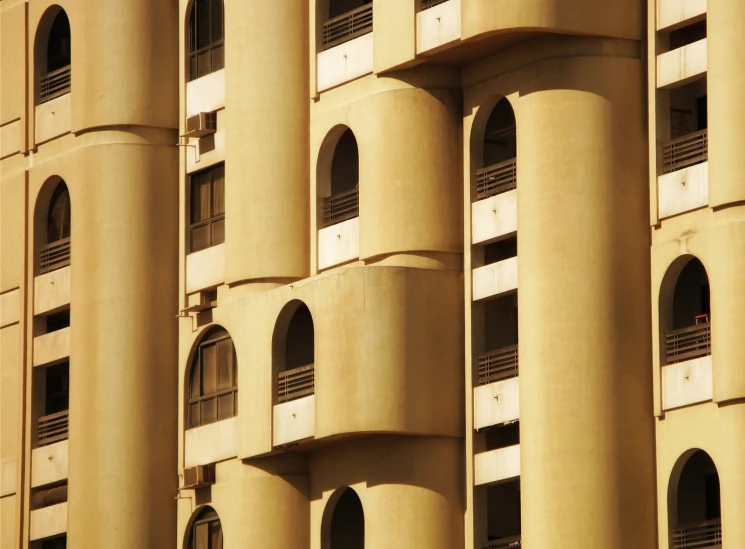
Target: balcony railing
{"points": [[496, 179], [54, 256], [55, 84], [504, 543], [685, 151], [688, 343], [498, 365], [698, 536], [53, 428], [341, 207], [347, 26], [296, 383], [426, 4]]}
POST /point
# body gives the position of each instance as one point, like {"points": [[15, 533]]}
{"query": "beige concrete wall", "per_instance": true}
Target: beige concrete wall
{"points": [[53, 118], [394, 20], [267, 230], [13, 87], [584, 374], [438, 26], [682, 65]]}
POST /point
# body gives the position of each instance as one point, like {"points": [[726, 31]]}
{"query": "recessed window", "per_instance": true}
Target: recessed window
{"points": [[206, 38], [53, 55], [213, 381], [55, 253], [206, 531], [207, 226]]}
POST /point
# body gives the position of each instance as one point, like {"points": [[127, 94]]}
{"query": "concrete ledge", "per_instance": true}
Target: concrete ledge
{"points": [[496, 279], [52, 348], [211, 443], [53, 118], [683, 65], [206, 94], [205, 269], [683, 190], [52, 291], [345, 62], [294, 420], [494, 218], [49, 521], [49, 464], [438, 26], [497, 465], [686, 383], [339, 243], [496, 403], [10, 308], [675, 13]]}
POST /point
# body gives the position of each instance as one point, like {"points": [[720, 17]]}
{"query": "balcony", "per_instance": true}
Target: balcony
{"points": [[211, 443], [49, 464], [682, 65], [687, 375], [205, 269], [53, 428], [52, 348], [689, 150], [52, 291], [684, 189], [294, 416], [497, 398], [496, 179], [494, 280], [48, 522], [339, 240], [437, 24], [699, 535], [346, 48], [500, 465], [511, 542], [674, 13]]}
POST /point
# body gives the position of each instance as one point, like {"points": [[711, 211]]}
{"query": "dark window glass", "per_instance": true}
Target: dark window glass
{"points": [[206, 533], [58, 219], [206, 37], [213, 380], [58, 46], [208, 208]]}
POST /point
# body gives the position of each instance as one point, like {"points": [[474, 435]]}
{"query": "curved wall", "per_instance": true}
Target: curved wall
{"points": [[123, 374], [587, 432], [267, 189]]}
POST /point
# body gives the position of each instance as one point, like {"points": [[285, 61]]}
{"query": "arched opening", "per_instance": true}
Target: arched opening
{"points": [[344, 20], [694, 503], [206, 38], [205, 531], [344, 521], [53, 55], [496, 171], [294, 343], [213, 380], [54, 226], [685, 311], [339, 176]]}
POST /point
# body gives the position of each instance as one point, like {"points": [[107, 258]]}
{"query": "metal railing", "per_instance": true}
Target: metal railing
{"points": [[55, 84], [504, 543], [698, 536], [296, 383], [496, 179], [341, 207], [498, 365], [54, 255], [688, 343], [53, 428], [347, 26], [426, 4], [685, 151]]}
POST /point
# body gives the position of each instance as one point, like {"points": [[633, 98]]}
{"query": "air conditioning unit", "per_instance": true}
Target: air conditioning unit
{"points": [[201, 301], [199, 476], [199, 125]]}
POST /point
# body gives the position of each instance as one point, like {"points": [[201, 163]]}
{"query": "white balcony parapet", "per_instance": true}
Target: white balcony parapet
{"points": [[499, 465], [683, 190], [686, 383], [495, 279], [438, 26], [52, 291], [294, 421], [674, 13], [494, 218], [48, 521], [205, 269], [49, 464], [682, 65], [345, 62], [496, 403], [206, 94], [52, 348], [339, 243], [211, 443]]}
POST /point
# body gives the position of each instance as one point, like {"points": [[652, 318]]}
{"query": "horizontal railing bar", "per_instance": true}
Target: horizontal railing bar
{"points": [[341, 207], [53, 428], [347, 26], [504, 543], [704, 326], [296, 383], [685, 151], [496, 179]]}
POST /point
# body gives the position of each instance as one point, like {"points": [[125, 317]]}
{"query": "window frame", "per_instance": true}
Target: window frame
{"points": [[209, 517], [213, 219], [212, 45], [211, 339]]}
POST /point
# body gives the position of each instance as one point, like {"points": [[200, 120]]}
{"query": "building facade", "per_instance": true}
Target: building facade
{"points": [[293, 316]]}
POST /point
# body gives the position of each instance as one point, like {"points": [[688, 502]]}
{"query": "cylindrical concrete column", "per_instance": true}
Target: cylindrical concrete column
{"points": [[732, 475], [726, 109], [123, 377], [587, 433], [267, 140]]}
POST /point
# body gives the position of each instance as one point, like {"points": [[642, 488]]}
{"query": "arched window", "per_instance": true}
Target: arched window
{"points": [[206, 531], [206, 38], [344, 521], [685, 312], [295, 352], [53, 55], [497, 172], [340, 185], [55, 252], [694, 503], [213, 380]]}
